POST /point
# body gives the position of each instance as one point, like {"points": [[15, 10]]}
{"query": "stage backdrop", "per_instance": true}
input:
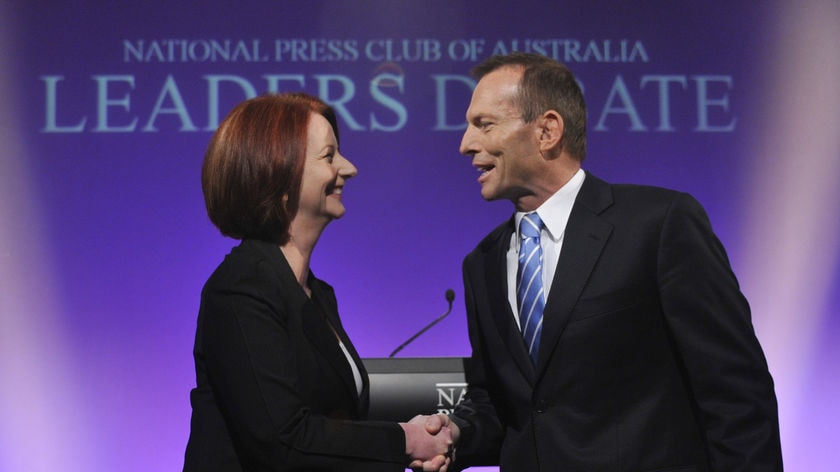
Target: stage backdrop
{"points": [[107, 108]]}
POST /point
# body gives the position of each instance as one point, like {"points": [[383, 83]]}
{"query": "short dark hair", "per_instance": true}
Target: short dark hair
{"points": [[545, 85], [253, 166]]}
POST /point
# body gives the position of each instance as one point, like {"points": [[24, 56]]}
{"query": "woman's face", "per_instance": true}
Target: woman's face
{"points": [[325, 172]]}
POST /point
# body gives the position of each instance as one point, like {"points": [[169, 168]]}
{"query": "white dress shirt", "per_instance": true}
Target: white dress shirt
{"points": [[357, 374], [554, 214]]}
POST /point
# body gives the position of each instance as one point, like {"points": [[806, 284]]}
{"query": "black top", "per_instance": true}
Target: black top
{"points": [[274, 390]]}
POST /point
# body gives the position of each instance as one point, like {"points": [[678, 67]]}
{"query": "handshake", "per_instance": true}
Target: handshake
{"points": [[430, 442]]}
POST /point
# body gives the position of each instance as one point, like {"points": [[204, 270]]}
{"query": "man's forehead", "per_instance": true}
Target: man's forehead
{"points": [[500, 81], [493, 100]]}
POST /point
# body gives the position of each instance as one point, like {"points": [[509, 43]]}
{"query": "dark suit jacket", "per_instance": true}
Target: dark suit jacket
{"points": [[648, 359], [274, 391]]}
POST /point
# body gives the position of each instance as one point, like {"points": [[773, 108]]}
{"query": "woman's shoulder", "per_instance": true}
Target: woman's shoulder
{"points": [[251, 263]]}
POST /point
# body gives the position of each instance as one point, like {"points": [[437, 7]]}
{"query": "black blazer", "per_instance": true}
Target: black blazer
{"points": [[274, 390], [648, 359]]}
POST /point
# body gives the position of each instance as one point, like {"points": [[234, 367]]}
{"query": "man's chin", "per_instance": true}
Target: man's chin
{"points": [[489, 195]]}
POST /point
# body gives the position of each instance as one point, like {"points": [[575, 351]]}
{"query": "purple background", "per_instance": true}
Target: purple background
{"points": [[104, 243]]}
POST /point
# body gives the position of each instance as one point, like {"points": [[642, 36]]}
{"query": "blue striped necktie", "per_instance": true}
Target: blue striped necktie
{"points": [[530, 294]]}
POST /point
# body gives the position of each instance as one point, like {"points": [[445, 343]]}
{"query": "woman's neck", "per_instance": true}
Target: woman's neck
{"points": [[298, 251]]}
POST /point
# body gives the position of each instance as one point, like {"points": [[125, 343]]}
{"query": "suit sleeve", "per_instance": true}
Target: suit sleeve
{"points": [[481, 429], [710, 323], [251, 365]]}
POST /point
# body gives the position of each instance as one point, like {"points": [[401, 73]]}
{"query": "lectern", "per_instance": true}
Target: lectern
{"points": [[403, 387]]}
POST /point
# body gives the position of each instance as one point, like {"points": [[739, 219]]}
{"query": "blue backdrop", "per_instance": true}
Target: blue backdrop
{"points": [[104, 243]]}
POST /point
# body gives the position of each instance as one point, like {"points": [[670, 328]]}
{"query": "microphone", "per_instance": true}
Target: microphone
{"points": [[450, 296]]}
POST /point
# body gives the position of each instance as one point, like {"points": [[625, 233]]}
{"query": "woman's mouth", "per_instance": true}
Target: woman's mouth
{"points": [[335, 191]]}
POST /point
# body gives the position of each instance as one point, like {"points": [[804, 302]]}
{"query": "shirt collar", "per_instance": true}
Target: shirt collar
{"points": [[555, 211]]}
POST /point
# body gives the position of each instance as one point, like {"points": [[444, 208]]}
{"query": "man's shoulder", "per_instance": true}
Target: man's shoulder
{"points": [[619, 194], [499, 235], [629, 202], [628, 189], [643, 194]]}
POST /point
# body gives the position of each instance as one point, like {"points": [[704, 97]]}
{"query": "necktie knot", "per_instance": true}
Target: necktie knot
{"points": [[530, 226]]}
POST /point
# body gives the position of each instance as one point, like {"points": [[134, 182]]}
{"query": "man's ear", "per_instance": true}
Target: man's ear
{"points": [[551, 133]]}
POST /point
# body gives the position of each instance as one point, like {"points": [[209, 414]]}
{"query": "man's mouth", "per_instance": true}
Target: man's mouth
{"points": [[484, 171]]}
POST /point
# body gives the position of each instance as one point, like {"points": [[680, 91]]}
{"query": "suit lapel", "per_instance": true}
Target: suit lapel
{"points": [[314, 319], [319, 320], [331, 311], [584, 239], [497, 292]]}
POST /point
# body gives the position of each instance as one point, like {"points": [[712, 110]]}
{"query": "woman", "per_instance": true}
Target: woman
{"points": [[279, 384]]}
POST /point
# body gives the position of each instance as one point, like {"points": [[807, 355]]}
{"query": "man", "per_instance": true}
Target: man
{"points": [[638, 351]]}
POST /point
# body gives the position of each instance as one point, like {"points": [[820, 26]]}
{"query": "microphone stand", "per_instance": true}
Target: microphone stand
{"points": [[450, 296]]}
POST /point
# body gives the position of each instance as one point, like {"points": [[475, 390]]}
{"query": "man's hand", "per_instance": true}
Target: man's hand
{"points": [[434, 426], [435, 423]]}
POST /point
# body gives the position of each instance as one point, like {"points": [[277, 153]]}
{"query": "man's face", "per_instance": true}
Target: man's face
{"points": [[503, 147]]}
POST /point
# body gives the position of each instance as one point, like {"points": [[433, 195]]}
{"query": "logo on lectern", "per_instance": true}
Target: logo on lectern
{"points": [[449, 395]]}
